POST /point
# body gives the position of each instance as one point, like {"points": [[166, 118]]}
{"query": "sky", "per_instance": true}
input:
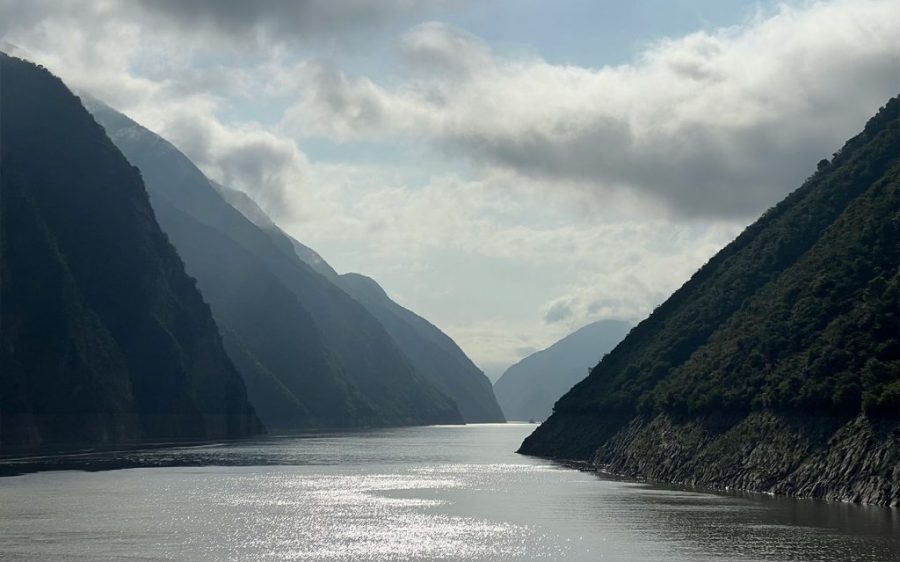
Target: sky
{"points": [[509, 169]]}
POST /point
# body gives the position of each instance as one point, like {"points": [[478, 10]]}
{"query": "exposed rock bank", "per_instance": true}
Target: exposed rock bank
{"points": [[856, 460]]}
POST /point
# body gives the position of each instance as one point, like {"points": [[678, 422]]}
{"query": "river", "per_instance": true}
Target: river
{"points": [[421, 493]]}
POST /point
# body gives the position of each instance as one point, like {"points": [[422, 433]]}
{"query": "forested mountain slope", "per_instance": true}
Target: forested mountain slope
{"points": [[776, 367]]}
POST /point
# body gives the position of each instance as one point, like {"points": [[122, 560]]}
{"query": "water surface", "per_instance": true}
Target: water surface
{"points": [[427, 493]]}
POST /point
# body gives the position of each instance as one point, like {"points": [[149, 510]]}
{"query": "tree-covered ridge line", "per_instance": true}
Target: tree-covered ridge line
{"points": [[799, 312]]}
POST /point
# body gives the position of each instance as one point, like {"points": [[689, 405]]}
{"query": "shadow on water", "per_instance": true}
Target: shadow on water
{"points": [[272, 450]]}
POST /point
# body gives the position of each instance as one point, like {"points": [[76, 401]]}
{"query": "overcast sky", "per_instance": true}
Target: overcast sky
{"points": [[510, 169]]}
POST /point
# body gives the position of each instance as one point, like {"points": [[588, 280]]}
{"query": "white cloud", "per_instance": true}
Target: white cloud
{"points": [[718, 124], [491, 269], [562, 212], [444, 51]]}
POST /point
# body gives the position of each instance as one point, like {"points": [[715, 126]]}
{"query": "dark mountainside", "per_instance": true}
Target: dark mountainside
{"points": [[104, 337], [432, 352], [776, 367], [528, 389], [310, 354]]}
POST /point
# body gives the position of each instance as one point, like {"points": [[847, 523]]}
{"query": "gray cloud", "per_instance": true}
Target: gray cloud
{"points": [[15, 14], [290, 18], [436, 48], [719, 124], [557, 312]]}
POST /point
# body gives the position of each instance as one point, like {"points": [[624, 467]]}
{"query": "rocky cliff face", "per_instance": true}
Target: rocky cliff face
{"points": [[822, 457], [776, 367]]}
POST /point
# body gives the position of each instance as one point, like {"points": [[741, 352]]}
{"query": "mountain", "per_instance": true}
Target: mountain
{"points": [[776, 367], [528, 389], [432, 352], [104, 337], [310, 354], [248, 207]]}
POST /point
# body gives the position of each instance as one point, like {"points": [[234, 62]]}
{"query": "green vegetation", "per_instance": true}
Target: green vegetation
{"points": [[799, 314]]}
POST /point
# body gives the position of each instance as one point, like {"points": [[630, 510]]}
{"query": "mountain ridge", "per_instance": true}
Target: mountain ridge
{"points": [[528, 389], [105, 338], [432, 352], [358, 375], [793, 323]]}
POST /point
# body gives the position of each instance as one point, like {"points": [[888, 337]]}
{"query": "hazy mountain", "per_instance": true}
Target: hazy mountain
{"points": [[311, 354], [432, 352], [776, 367], [104, 337], [242, 202], [528, 389]]}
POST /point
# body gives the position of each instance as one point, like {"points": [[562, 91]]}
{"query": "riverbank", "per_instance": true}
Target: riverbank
{"points": [[816, 457]]}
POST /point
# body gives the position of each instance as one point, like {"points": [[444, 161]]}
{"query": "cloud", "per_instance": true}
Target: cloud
{"points": [[497, 273], [557, 311], [290, 20], [243, 156], [439, 49], [359, 103], [719, 124], [569, 204]]}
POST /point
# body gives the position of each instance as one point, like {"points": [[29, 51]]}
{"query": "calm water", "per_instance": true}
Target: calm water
{"points": [[456, 493]]}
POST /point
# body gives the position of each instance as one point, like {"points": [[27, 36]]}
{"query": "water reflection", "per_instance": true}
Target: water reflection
{"points": [[415, 493]]}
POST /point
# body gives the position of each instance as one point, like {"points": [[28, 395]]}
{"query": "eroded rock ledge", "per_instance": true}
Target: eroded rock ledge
{"points": [[855, 460]]}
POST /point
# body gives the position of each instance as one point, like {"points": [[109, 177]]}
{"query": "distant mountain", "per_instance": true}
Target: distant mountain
{"points": [[310, 354], [528, 389], [432, 352], [103, 337], [776, 367]]}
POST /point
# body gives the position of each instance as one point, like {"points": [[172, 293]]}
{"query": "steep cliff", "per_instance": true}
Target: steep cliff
{"points": [[311, 355], [103, 337]]}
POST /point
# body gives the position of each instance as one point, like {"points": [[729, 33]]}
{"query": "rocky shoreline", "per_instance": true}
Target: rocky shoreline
{"points": [[817, 457]]}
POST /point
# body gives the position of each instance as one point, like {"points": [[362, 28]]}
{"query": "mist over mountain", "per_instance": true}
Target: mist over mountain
{"points": [[311, 354], [105, 339], [432, 352], [776, 367], [528, 389], [243, 203]]}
